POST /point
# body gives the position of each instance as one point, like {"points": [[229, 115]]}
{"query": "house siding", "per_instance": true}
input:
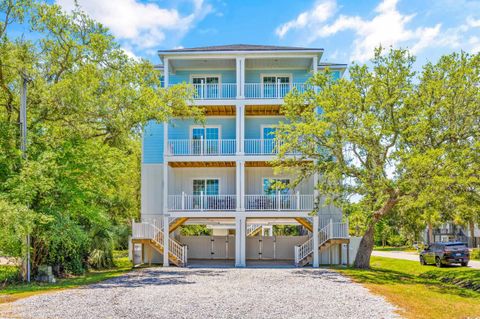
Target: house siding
{"points": [[253, 125], [153, 143], [298, 76], [227, 76], [180, 129]]}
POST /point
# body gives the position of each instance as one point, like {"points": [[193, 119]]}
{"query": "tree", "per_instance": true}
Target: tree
{"points": [[87, 104], [371, 139]]}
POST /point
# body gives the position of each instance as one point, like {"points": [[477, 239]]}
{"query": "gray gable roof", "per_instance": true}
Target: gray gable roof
{"points": [[241, 47]]}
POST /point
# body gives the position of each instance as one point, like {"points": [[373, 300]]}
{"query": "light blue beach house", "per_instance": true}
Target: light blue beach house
{"points": [[219, 174]]}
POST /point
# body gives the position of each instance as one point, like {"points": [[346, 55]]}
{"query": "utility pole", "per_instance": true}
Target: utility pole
{"points": [[23, 145]]}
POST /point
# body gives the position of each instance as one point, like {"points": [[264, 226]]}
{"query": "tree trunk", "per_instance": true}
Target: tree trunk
{"points": [[365, 249], [430, 238], [362, 260]]}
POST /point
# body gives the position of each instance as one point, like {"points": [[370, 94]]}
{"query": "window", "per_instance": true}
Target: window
{"points": [[207, 186], [268, 139], [207, 87], [271, 185], [211, 140], [275, 86]]}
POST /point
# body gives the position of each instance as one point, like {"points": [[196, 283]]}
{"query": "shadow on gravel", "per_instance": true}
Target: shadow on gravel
{"points": [[321, 274], [155, 277]]}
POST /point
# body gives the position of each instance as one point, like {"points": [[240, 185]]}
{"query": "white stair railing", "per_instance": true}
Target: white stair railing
{"points": [[330, 231], [147, 230], [252, 228]]}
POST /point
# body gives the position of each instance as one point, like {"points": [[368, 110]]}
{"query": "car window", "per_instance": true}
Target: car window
{"points": [[455, 246]]}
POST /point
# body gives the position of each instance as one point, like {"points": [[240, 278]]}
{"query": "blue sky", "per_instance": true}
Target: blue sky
{"points": [[347, 30]]}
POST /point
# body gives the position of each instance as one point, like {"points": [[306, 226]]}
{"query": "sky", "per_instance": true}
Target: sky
{"points": [[347, 30]]}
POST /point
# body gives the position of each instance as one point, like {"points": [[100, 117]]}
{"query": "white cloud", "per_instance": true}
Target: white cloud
{"points": [[321, 12], [387, 27], [141, 25]]}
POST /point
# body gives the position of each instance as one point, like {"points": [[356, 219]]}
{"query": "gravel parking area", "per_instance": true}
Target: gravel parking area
{"points": [[212, 293]]}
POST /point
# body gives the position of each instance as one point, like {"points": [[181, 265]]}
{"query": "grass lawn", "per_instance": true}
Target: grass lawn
{"points": [[422, 291], [22, 290], [390, 248]]}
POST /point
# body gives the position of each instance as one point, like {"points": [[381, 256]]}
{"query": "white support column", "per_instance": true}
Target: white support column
{"points": [[238, 128], [315, 64], [242, 184], [166, 236], [241, 136], [165, 72], [238, 174], [315, 191], [240, 241], [240, 68], [315, 242], [165, 168]]}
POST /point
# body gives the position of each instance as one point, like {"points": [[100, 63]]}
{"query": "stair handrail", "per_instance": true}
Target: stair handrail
{"points": [[146, 230], [330, 231]]}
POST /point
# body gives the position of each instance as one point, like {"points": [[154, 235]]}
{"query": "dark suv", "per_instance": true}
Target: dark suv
{"points": [[445, 254]]}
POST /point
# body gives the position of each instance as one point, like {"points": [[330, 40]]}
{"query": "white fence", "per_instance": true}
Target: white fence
{"points": [[201, 147]]}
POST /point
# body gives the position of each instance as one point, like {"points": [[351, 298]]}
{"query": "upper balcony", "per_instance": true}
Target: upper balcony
{"points": [[242, 71]]}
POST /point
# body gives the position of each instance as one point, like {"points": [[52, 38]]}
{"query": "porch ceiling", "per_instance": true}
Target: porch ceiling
{"points": [[219, 110], [202, 164], [259, 110]]}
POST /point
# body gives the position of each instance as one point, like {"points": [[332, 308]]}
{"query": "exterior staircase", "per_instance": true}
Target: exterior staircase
{"points": [[150, 233], [254, 229], [331, 234]]}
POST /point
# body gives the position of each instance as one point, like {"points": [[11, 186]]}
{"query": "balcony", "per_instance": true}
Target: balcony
{"points": [[263, 147], [272, 90], [228, 91], [201, 147], [272, 202], [215, 91]]}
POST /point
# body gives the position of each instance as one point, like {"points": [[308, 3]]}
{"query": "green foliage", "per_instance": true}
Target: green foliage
{"points": [[8, 275], [286, 230], [390, 146], [475, 254], [195, 230], [87, 103]]}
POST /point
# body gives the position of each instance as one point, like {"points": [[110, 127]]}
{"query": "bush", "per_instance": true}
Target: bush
{"points": [[475, 253], [9, 274]]}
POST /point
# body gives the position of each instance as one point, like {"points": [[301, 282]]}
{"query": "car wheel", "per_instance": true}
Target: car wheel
{"points": [[422, 261], [465, 264], [438, 262]]}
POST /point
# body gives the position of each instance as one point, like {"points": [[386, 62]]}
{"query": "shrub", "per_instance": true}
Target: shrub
{"points": [[475, 253]]}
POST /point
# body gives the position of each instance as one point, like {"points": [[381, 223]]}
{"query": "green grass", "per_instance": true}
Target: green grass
{"points": [[391, 248], [422, 291], [22, 290]]}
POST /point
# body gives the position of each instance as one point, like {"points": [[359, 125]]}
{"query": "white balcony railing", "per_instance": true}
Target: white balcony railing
{"points": [[215, 91], [200, 147], [279, 202], [201, 202], [272, 90], [263, 147], [274, 202]]}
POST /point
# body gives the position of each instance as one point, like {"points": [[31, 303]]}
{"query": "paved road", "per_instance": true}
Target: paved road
{"points": [[212, 293], [413, 256]]}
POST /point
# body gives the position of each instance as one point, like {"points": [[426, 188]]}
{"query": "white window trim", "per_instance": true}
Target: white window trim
{"points": [[205, 127], [219, 76], [205, 179], [288, 75]]}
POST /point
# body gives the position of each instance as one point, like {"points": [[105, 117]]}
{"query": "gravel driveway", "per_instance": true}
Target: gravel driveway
{"points": [[212, 293]]}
